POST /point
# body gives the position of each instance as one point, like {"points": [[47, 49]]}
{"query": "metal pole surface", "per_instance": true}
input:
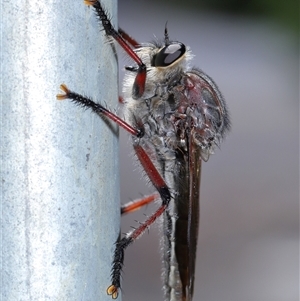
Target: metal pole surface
{"points": [[59, 164]]}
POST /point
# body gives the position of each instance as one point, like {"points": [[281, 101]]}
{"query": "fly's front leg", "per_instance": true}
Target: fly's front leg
{"points": [[124, 40]]}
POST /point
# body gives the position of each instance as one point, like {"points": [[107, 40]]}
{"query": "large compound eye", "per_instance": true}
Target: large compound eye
{"points": [[168, 55]]}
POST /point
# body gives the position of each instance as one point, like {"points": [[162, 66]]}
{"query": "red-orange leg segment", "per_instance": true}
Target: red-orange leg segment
{"points": [[138, 204], [130, 40]]}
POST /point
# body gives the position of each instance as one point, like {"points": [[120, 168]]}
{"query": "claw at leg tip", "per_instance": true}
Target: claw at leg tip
{"points": [[64, 95], [113, 291], [89, 2]]}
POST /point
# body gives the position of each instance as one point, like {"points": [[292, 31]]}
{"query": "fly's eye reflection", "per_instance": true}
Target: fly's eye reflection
{"points": [[180, 118], [169, 55]]}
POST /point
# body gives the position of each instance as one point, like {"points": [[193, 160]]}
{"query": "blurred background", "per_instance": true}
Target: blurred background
{"points": [[248, 246]]}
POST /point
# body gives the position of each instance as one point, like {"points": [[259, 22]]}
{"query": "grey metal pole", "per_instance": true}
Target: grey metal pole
{"points": [[59, 164]]}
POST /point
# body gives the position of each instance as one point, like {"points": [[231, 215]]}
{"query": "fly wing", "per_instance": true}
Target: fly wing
{"points": [[201, 120], [194, 210], [186, 224]]}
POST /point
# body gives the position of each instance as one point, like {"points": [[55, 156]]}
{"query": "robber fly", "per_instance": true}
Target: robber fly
{"points": [[176, 116]]}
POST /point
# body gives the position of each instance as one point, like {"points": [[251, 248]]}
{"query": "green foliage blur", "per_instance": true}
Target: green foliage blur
{"points": [[285, 12]]}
